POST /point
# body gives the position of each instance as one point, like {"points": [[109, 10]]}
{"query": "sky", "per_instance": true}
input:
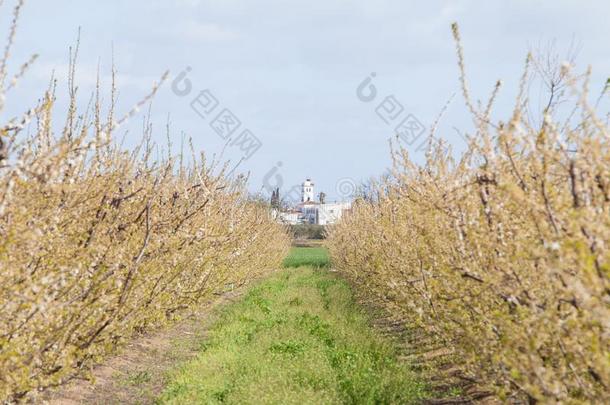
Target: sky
{"points": [[292, 73]]}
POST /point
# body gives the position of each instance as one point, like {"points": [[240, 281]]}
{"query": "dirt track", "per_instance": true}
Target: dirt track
{"points": [[137, 373]]}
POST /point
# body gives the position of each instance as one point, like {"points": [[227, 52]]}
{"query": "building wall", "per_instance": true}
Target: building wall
{"points": [[290, 217], [331, 213], [310, 213], [320, 214], [307, 191]]}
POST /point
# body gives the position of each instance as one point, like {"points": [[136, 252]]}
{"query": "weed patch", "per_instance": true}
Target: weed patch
{"points": [[297, 337]]}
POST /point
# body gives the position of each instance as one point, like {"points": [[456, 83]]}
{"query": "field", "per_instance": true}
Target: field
{"points": [[101, 243], [307, 256], [297, 337], [500, 255], [137, 273]]}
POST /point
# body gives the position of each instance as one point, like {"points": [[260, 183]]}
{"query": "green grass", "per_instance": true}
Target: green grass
{"points": [[295, 338], [307, 256]]}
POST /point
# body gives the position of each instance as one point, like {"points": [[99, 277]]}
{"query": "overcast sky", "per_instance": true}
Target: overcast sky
{"points": [[289, 70]]}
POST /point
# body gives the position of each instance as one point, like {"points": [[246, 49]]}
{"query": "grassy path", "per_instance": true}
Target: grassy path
{"points": [[297, 337]]}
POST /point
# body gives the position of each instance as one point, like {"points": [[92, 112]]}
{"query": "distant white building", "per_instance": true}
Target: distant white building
{"points": [[290, 217], [309, 211], [330, 213], [307, 191]]}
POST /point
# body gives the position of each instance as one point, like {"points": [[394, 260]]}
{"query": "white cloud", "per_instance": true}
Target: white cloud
{"points": [[207, 32], [289, 69]]}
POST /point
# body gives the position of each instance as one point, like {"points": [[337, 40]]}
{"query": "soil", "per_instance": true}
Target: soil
{"points": [[137, 375]]}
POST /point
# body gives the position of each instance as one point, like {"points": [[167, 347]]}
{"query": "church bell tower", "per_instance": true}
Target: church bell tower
{"points": [[307, 191]]}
